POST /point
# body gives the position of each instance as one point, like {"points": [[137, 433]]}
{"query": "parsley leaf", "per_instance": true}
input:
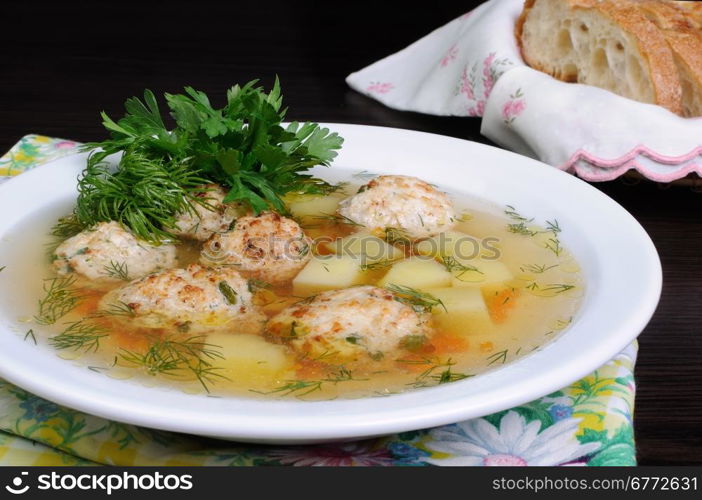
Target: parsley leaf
{"points": [[242, 146]]}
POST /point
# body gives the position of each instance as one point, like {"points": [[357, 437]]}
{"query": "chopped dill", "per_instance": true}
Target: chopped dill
{"points": [[421, 302], [553, 226], [60, 298], [521, 228], [532, 286], [298, 387], [454, 265], [397, 236], [498, 357], [558, 288], [536, 268], [554, 245], [448, 376], [338, 219], [2, 268], [325, 355], [512, 213], [171, 355], [229, 293], [374, 266], [116, 309], [242, 146], [30, 335], [429, 377], [304, 387], [117, 270], [66, 227], [79, 336], [255, 285]]}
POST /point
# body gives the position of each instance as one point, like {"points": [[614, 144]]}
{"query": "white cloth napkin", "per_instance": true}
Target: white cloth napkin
{"points": [[472, 67]]}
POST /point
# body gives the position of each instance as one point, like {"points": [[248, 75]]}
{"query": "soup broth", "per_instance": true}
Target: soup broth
{"points": [[499, 286]]}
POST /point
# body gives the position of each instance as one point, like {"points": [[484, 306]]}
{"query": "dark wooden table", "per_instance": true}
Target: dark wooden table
{"points": [[61, 65]]}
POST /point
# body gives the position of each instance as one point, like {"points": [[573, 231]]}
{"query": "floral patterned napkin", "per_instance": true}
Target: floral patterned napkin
{"points": [[586, 423]]}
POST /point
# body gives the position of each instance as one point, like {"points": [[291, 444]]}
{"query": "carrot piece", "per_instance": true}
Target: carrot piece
{"points": [[500, 303], [445, 343]]}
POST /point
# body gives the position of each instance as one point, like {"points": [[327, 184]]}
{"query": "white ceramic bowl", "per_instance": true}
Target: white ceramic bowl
{"points": [[619, 262]]}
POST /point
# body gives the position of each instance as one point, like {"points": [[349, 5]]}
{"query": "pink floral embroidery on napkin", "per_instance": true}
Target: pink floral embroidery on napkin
{"points": [[380, 87], [469, 83], [450, 56], [489, 76], [514, 107]]}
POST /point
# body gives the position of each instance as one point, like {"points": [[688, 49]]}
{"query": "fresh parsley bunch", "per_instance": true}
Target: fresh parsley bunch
{"points": [[241, 146]]}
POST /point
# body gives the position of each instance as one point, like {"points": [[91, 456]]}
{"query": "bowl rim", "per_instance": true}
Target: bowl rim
{"points": [[292, 421]]}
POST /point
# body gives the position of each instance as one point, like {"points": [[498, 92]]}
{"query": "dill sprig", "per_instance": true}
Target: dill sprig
{"points": [[536, 268], [338, 219], [303, 387], [66, 227], [144, 193], [454, 265], [429, 377], [115, 309], [254, 285], [172, 356], [60, 298], [374, 266], [397, 236], [118, 270], [553, 227], [2, 268], [241, 146], [512, 213], [498, 357], [554, 245], [79, 336], [421, 302], [557, 288], [521, 228], [30, 335]]}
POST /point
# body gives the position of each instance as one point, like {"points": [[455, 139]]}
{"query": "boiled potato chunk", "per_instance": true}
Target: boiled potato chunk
{"points": [[249, 359], [367, 247], [450, 244], [465, 313], [417, 272], [489, 272], [329, 272], [309, 205]]}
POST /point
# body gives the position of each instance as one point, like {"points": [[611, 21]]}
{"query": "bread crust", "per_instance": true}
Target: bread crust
{"points": [[650, 41]]}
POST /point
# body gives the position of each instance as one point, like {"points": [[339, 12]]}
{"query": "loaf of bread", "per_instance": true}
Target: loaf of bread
{"points": [[647, 50]]}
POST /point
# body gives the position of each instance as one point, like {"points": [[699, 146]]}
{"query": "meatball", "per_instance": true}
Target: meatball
{"points": [[204, 220], [195, 299], [353, 322], [401, 202], [267, 246], [110, 253]]}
